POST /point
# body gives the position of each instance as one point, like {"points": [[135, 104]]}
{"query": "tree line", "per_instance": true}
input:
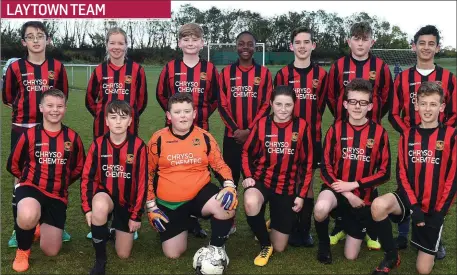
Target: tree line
{"points": [[155, 42]]}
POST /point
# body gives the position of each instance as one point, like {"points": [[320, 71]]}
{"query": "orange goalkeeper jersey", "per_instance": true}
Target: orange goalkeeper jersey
{"points": [[179, 165]]}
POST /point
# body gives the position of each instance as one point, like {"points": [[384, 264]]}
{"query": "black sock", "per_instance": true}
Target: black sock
{"points": [[338, 225], [14, 206], [219, 231], [24, 237], [100, 235], [322, 232], [372, 231], [386, 238], [257, 224], [306, 215]]}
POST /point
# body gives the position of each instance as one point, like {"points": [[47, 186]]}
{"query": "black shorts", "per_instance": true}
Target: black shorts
{"points": [[120, 215], [317, 155], [53, 211], [405, 210], [355, 221], [282, 216], [179, 218], [16, 132], [425, 238]]}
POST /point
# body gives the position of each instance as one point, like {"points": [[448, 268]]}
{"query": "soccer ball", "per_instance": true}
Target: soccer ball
{"points": [[210, 260]]}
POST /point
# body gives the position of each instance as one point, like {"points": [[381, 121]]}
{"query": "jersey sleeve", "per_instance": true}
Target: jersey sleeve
{"points": [[92, 93], [265, 102], [402, 173], [450, 185], [332, 87], [90, 178], [163, 89], [396, 106], [306, 161], [250, 149], [451, 105], [387, 90], [215, 159], [153, 164], [18, 157], [323, 94], [214, 91], [10, 89], [279, 79], [142, 91], [62, 82], [382, 165], [137, 207], [78, 158], [223, 106], [327, 173]]}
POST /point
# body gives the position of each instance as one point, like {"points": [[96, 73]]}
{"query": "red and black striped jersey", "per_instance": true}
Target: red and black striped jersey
{"points": [[356, 153], [244, 96], [402, 114], [109, 82], [202, 81], [345, 69], [119, 170], [310, 85], [24, 83], [48, 161], [276, 153], [427, 167]]}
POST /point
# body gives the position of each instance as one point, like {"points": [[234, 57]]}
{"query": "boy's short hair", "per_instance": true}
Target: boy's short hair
{"points": [[429, 29], [53, 92], [430, 88], [361, 29], [298, 30], [180, 98], [34, 24], [117, 106], [359, 85], [190, 29], [246, 32]]}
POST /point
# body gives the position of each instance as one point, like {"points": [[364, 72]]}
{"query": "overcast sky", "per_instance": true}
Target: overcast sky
{"points": [[410, 16]]}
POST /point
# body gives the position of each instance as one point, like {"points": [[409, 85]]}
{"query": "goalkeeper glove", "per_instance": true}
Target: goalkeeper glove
{"points": [[156, 216], [416, 214], [227, 196]]}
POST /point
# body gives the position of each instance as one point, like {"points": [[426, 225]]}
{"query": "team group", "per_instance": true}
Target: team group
{"points": [[272, 135]]}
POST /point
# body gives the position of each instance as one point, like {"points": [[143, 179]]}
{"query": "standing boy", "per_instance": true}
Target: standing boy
{"points": [[24, 83], [309, 82]]}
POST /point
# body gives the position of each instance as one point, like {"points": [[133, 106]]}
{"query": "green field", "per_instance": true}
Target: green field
{"points": [[76, 257]]}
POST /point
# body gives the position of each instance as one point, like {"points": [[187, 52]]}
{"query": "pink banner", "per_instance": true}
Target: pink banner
{"points": [[86, 9]]}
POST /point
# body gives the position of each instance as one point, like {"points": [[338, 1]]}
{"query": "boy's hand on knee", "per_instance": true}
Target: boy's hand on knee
{"points": [[134, 226], [156, 216], [417, 215], [248, 182], [227, 196], [298, 204]]}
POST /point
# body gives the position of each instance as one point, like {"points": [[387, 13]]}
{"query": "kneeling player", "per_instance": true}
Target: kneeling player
{"points": [[46, 159], [277, 150], [356, 159], [179, 182], [114, 183], [427, 183]]}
